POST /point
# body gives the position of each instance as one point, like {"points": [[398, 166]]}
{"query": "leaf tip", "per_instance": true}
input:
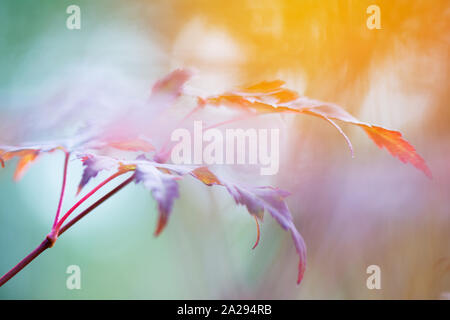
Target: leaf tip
{"points": [[258, 232], [301, 271], [427, 172], [162, 222]]}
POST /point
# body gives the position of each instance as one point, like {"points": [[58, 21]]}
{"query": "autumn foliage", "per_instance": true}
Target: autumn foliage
{"points": [[150, 169]]}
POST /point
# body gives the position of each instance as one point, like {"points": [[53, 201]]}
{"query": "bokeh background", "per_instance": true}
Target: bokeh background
{"points": [[352, 212]]}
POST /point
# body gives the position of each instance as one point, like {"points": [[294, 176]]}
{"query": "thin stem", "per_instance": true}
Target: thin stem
{"points": [[95, 205], [87, 196], [349, 143], [25, 261], [63, 188], [48, 243]]}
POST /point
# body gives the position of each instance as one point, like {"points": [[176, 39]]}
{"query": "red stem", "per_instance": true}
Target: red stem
{"points": [[87, 196], [95, 205], [22, 264], [63, 188], [48, 243]]}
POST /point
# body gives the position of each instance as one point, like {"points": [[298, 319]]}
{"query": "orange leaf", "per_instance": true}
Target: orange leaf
{"points": [[23, 164], [207, 177], [26, 157], [172, 83], [264, 87], [389, 139], [397, 146], [272, 97], [162, 222]]}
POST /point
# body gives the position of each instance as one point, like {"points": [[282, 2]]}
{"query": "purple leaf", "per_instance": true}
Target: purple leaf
{"points": [[164, 189], [260, 199], [93, 165]]}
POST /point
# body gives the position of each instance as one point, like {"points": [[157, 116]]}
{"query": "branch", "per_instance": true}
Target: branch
{"points": [[25, 261], [49, 241], [87, 196], [95, 205]]}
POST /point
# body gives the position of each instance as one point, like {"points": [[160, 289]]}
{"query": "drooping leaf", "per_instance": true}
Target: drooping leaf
{"points": [[27, 155], [206, 176], [389, 139], [168, 89], [257, 200], [172, 83], [258, 233], [164, 189], [160, 179], [93, 165], [272, 97]]}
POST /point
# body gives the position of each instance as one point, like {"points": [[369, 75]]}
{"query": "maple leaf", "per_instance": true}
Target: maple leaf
{"points": [[161, 179], [171, 85], [26, 155], [389, 139], [257, 200], [164, 189], [272, 97], [93, 165]]}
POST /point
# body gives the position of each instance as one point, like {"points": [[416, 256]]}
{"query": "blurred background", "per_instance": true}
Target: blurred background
{"points": [[352, 212]]}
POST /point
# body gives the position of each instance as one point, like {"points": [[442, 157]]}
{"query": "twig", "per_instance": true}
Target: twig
{"points": [[94, 205], [25, 261], [87, 196], [49, 240]]}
